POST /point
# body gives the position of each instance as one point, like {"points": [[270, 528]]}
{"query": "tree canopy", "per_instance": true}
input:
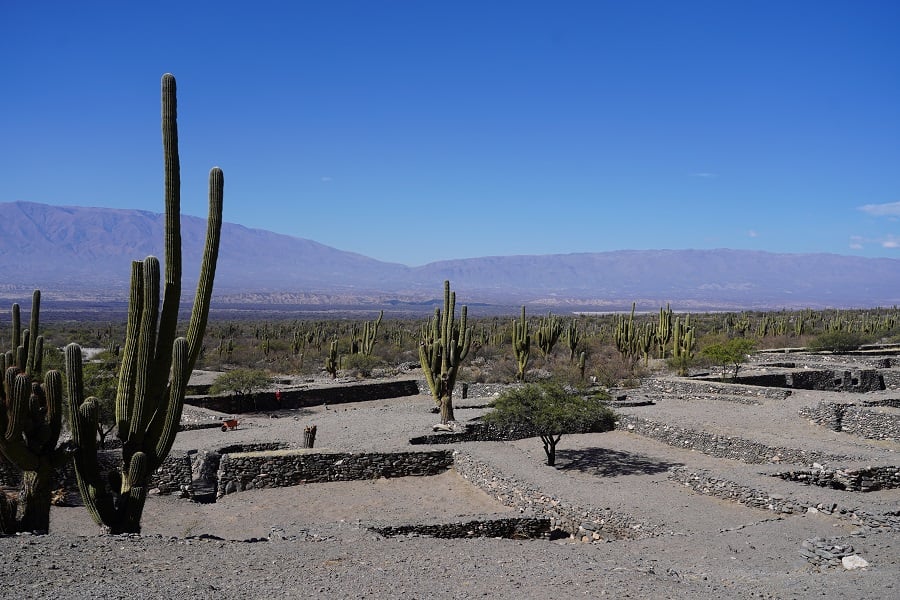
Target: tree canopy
{"points": [[242, 382], [550, 410], [732, 353]]}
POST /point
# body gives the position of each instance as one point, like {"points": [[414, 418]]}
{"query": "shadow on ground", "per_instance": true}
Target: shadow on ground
{"points": [[608, 463]]}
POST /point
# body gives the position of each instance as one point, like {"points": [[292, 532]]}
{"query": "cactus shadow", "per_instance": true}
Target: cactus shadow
{"points": [[605, 462]]}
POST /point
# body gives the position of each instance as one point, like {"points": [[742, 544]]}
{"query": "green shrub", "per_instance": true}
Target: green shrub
{"points": [[838, 341]]}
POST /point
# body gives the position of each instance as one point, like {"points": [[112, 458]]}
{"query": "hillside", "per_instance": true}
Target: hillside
{"points": [[85, 253]]}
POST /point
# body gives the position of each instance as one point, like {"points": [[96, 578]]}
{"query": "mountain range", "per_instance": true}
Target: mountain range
{"points": [[85, 253]]}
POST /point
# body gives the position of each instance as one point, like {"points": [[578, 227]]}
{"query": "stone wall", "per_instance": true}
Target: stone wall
{"points": [[518, 528], [868, 479], [252, 470], [264, 401], [865, 421], [590, 524], [744, 394], [731, 447], [702, 482], [858, 381]]}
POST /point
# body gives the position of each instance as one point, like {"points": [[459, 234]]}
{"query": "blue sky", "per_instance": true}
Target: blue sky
{"points": [[414, 131]]}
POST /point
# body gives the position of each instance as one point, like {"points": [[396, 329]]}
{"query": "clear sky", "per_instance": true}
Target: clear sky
{"points": [[414, 131]]}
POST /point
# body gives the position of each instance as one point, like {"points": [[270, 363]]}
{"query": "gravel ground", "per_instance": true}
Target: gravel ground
{"points": [[313, 540]]}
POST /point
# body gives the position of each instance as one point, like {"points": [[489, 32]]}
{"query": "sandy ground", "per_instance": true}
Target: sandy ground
{"points": [[312, 540]]}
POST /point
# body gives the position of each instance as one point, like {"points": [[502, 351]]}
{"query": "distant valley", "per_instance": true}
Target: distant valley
{"points": [[74, 253]]}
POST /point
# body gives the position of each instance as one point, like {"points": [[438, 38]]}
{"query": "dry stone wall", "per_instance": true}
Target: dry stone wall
{"points": [[868, 422], [589, 524], [252, 470], [720, 446]]}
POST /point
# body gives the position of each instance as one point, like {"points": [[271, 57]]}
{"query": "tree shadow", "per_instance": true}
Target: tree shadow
{"points": [[609, 463]]}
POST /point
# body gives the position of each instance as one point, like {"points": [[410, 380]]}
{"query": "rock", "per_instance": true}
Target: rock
{"points": [[854, 561]]}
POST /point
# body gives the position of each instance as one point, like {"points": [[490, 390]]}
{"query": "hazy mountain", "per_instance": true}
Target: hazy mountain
{"points": [[86, 253]]}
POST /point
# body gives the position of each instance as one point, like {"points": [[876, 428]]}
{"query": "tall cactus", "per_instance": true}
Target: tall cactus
{"points": [[664, 330], [370, 335], [573, 337], [30, 424], [683, 344], [521, 341], [445, 345], [156, 364], [548, 333]]}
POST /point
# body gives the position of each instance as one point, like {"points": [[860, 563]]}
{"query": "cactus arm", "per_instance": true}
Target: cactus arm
{"points": [[143, 401], [165, 423], [202, 300], [168, 319], [127, 370], [33, 329]]}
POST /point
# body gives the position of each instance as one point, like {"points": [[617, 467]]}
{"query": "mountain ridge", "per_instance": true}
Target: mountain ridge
{"points": [[87, 252]]}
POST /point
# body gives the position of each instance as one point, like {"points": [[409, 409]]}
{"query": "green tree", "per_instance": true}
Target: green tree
{"points": [[549, 410], [101, 380], [732, 353], [242, 382]]}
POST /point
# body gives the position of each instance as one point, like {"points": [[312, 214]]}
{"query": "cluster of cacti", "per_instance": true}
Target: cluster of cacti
{"points": [[156, 364], [521, 343], [626, 336], [30, 425], [443, 348], [366, 343], [547, 334]]}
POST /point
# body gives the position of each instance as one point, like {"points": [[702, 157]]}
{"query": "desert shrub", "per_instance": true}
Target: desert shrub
{"points": [[838, 341], [242, 382], [360, 365]]}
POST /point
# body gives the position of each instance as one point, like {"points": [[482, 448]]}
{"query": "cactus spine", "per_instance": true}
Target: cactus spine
{"points": [[443, 348], [521, 341], [30, 424], [155, 364]]}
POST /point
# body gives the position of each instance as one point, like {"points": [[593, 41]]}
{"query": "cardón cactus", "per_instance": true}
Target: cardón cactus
{"points": [[156, 364], [30, 424], [444, 347]]}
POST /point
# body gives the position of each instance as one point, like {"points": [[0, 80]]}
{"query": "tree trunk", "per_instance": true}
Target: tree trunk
{"points": [[34, 500], [550, 448], [447, 409]]}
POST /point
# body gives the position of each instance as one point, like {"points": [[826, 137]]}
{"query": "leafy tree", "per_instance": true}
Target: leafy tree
{"points": [[101, 379], [732, 353], [549, 410], [242, 382]]}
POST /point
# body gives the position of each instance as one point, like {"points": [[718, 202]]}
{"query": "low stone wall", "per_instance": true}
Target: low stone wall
{"points": [[743, 394], [173, 475], [517, 528], [720, 446], [253, 470], [858, 381], [339, 394], [589, 524], [868, 479], [862, 421], [702, 482]]}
